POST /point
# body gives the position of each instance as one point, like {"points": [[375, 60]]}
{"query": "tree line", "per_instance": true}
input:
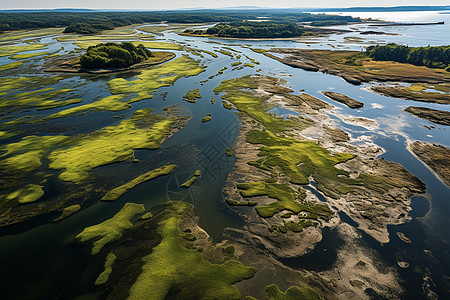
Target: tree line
{"points": [[248, 29], [432, 57], [95, 21], [113, 55]]}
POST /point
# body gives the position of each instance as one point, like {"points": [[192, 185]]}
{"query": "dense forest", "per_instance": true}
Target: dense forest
{"points": [[83, 28], [113, 55], [328, 23], [432, 57], [95, 21], [250, 29]]}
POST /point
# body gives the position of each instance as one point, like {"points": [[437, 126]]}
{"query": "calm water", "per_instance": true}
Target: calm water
{"points": [[44, 262]]}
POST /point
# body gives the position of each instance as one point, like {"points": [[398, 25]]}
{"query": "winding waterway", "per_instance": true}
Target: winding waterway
{"points": [[40, 259]]}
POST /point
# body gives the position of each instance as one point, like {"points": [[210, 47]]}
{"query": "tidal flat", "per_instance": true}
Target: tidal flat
{"points": [[141, 184]]}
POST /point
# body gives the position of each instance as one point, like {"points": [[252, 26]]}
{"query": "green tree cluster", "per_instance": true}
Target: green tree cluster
{"points": [[248, 29], [328, 23], [84, 28], [432, 57], [113, 55]]}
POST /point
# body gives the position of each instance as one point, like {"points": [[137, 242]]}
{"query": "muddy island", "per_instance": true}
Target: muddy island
{"points": [[436, 157], [433, 115]]}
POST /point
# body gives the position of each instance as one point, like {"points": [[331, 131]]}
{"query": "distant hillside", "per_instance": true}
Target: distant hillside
{"points": [[384, 9]]}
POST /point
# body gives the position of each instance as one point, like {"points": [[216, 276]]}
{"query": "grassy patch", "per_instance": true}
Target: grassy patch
{"points": [[27, 194], [28, 55], [191, 180], [155, 77], [67, 212], [111, 144], [119, 191], [172, 268], [111, 229], [292, 293], [287, 198], [227, 105], [206, 119], [192, 96], [229, 151], [239, 92], [110, 103], [12, 65], [41, 98], [25, 156], [17, 35], [11, 50], [413, 94], [104, 276], [225, 52]]}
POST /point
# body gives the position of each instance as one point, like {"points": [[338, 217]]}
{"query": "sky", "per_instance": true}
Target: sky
{"points": [[176, 4]]}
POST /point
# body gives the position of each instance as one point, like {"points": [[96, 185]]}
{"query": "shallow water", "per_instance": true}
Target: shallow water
{"points": [[35, 262]]}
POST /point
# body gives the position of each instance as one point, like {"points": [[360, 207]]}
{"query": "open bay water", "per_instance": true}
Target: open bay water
{"points": [[45, 262]]}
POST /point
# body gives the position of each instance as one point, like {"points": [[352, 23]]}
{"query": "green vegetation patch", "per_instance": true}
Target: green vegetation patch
{"points": [[40, 98], [225, 52], [155, 77], [292, 293], [239, 92], [104, 276], [284, 156], [25, 156], [17, 35], [111, 229], [110, 103], [227, 105], [11, 50], [12, 65], [119, 191], [67, 212], [206, 119], [287, 198], [28, 55], [191, 180], [172, 267], [27, 194], [229, 151], [111, 144], [192, 96]]}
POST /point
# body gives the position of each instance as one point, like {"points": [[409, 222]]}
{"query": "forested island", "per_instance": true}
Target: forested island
{"points": [[432, 57], [250, 29], [113, 55]]}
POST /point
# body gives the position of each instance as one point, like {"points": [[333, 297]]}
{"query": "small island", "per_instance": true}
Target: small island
{"points": [[249, 29], [352, 103], [436, 157], [113, 57], [440, 117]]}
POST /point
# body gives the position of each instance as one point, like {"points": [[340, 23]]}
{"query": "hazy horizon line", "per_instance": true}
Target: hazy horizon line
{"points": [[244, 7]]}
